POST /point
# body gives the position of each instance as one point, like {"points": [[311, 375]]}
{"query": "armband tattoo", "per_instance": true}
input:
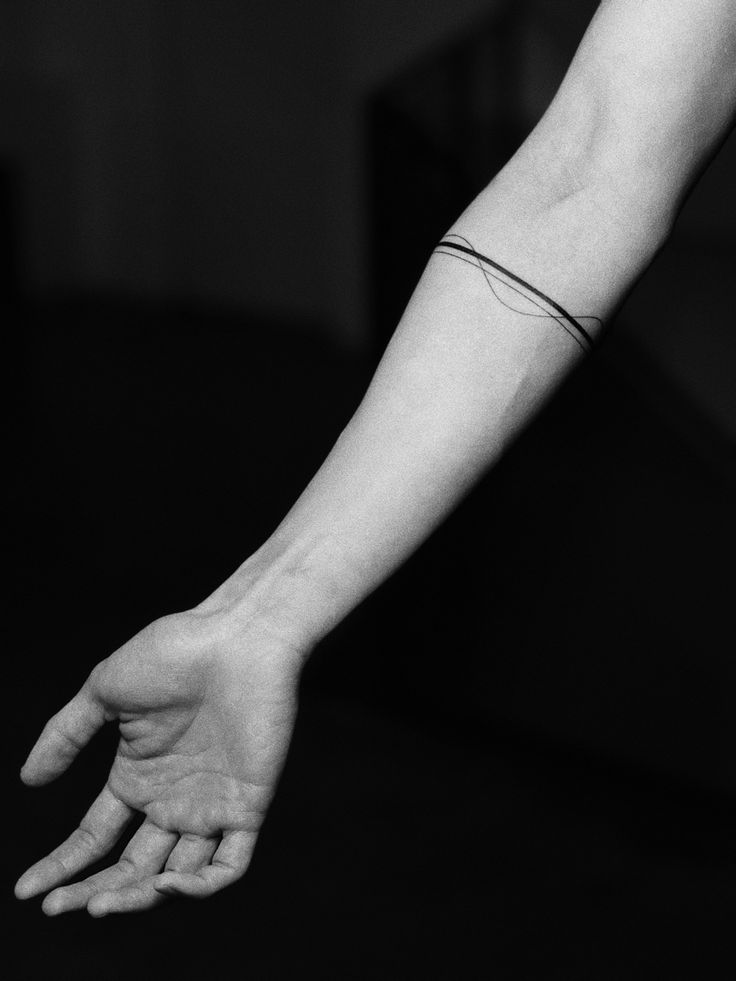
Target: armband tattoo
{"points": [[538, 304]]}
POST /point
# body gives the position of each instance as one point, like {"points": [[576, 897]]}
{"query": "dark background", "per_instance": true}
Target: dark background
{"points": [[516, 759]]}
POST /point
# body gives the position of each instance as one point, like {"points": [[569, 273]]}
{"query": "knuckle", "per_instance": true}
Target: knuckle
{"points": [[126, 863], [86, 838]]}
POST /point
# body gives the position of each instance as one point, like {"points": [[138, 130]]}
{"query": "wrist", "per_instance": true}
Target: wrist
{"points": [[290, 590]]}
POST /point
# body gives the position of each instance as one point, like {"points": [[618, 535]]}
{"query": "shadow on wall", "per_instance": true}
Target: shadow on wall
{"points": [[171, 152], [211, 153]]}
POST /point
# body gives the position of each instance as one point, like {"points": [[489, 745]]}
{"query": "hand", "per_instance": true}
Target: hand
{"points": [[205, 717]]}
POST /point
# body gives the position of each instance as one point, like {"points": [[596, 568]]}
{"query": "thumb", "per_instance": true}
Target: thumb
{"points": [[62, 738]]}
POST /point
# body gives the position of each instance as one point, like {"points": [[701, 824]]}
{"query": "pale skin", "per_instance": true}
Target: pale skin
{"points": [[205, 700], [203, 731]]}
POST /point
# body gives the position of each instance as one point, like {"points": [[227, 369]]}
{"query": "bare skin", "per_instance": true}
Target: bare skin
{"points": [[204, 722]]}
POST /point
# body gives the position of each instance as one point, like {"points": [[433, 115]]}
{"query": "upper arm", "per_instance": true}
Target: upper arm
{"points": [[647, 100]]}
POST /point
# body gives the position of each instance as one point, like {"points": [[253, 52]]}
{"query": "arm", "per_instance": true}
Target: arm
{"points": [[509, 302], [577, 214]]}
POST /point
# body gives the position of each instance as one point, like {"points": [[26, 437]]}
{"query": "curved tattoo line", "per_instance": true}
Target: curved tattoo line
{"points": [[478, 265], [518, 279], [569, 317], [581, 336], [524, 313]]}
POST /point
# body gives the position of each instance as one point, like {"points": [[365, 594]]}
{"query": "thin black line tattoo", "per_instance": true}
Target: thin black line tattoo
{"points": [[525, 313], [493, 271]]}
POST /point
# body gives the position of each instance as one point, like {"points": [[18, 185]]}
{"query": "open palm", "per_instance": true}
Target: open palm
{"points": [[205, 722]]}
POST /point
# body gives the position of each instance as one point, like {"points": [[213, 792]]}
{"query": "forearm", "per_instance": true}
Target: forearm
{"points": [[462, 374], [566, 229]]}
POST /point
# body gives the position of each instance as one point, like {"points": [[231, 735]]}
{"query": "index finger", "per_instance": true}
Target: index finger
{"points": [[98, 831]]}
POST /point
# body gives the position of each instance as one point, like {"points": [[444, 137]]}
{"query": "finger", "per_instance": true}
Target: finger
{"points": [[144, 856], [148, 850], [62, 738], [191, 853], [78, 894], [126, 899], [228, 864], [98, 831]]}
